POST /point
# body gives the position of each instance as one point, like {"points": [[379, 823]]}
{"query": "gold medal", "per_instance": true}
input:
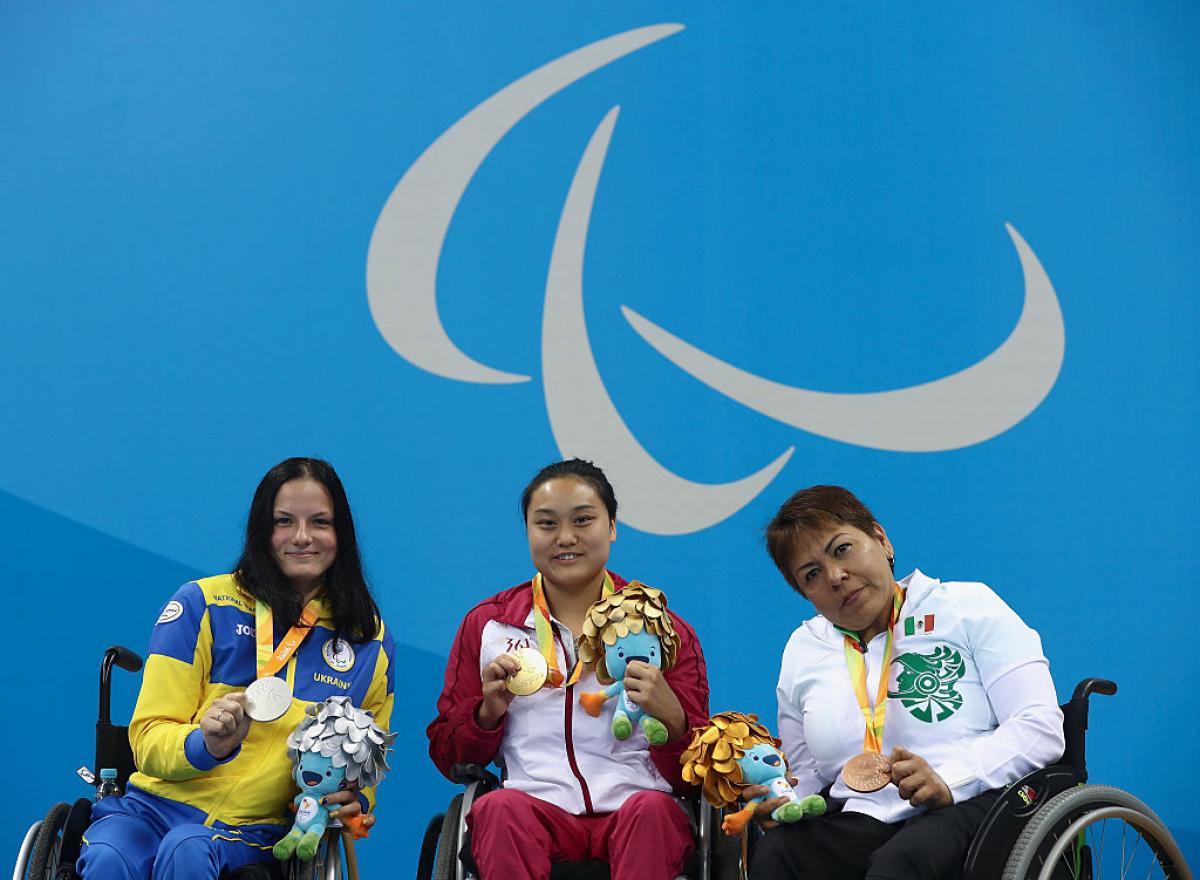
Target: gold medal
{"points": [[532, 674], [865, 772]]}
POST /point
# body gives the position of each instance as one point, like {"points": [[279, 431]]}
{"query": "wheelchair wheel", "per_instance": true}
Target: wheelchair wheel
{"points": [[1095, 832], [445, 866], [43, 863]]}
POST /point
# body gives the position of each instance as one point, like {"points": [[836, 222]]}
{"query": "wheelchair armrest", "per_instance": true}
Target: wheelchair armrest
{"points": [[465, 774]]}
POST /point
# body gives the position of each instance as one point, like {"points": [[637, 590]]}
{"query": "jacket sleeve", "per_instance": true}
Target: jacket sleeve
{"points": [[1016, 675], [381, 694], [688, 679], [164, 731], [455, 737], [801, 764]]}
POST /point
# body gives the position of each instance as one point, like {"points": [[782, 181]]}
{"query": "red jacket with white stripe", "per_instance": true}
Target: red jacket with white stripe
{"points": [[547, 745]]}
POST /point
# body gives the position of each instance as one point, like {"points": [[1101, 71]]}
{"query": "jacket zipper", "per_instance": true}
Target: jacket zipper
{"points": [[568, 740]]}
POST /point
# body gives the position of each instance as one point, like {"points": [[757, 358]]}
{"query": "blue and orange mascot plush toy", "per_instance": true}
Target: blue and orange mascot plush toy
{"points": [[335, 746], [734, 751], [631, 624]]}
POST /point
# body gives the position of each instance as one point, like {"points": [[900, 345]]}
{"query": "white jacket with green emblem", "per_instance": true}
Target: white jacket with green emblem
{"points": [[969, 690]]}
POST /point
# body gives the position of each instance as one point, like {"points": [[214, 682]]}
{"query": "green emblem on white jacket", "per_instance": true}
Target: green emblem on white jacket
{"points": [[925, 684]]}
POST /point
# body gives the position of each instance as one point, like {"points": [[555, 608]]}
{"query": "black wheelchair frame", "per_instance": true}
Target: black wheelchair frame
{"points": [[52, 845], [1036, 830], [1026, 833]]}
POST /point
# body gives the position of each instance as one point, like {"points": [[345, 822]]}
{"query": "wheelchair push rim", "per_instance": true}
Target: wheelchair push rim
{"points": [[1095, 832], [1077, 832]]}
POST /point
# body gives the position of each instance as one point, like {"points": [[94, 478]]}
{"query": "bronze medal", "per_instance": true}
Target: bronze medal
{"points": [[865, 772]]}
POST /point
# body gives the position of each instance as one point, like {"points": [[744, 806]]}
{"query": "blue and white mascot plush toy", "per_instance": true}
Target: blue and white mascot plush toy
{"points": [[336, 745], [631, 624], [734, 751]]}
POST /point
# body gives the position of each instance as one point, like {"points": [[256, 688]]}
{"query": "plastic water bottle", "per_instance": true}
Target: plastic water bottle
{"points": [[108, 783]]}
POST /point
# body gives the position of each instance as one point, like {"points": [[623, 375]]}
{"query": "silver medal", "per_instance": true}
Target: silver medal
{"points": [[268, 698]]}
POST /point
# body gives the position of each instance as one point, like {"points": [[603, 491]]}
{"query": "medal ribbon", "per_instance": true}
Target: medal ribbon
{"points": [[855, 652], [545, 632], [271, 660]]}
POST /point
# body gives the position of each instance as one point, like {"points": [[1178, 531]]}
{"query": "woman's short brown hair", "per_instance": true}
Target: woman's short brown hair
{"points": [[817, 507]]}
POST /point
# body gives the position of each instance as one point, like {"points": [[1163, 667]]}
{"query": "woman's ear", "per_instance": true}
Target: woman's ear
{"points": [[882, 538]]}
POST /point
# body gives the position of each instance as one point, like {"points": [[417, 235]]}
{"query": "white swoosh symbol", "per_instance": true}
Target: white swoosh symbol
{"points": [[970, 406], [406, 244], [582, 415]]}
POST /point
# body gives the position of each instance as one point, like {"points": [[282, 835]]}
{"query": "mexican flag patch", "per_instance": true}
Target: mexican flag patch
{"points": [[914, 625]]}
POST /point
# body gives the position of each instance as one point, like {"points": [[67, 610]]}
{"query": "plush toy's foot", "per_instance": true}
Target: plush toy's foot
{"points": [[789, 812], [592, 703], [359, 825], [656, 731], [286, 846], [308, 846], [735, 823], [813, 805], [621, 728]]}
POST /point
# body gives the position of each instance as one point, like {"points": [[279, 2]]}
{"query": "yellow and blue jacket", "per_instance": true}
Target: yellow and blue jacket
{"points": [[203, 648]]}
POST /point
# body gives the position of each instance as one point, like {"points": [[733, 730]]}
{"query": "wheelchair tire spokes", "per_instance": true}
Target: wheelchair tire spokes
{"points": [[1095, 832]]}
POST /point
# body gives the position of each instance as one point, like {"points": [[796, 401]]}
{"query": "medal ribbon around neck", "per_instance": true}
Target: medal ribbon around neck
{"points": [[855, 652], [270, 660], [545, 632]]}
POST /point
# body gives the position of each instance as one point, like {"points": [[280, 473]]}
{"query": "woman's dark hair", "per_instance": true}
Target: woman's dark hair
{"points": [[817, 507], [580, 470], [355, 614]]}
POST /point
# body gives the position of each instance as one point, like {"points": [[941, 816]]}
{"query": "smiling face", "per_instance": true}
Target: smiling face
{"points": [[845, 573], [570, 535], [316, 775], [303, 540], [761, 763], [643, 646]]}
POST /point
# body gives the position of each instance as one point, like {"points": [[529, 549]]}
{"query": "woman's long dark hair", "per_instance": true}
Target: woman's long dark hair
{"points": [[349, 599]]}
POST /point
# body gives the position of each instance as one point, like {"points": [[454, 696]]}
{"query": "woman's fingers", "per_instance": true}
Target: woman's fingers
{"points": [[916, 781]]}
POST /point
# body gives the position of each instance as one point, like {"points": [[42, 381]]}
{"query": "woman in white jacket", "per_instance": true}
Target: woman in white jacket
{"points": [[912, 759]]}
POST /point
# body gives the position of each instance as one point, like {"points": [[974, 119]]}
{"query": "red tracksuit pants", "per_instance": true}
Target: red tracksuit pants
{"points": [[515, 836]]}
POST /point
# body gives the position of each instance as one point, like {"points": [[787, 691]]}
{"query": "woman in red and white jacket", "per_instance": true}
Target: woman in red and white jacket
{"points": [[571, 791]]}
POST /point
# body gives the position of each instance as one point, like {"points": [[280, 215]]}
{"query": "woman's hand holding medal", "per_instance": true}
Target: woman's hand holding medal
{"points": [[496, 695], [917, 781], [225, 725]]}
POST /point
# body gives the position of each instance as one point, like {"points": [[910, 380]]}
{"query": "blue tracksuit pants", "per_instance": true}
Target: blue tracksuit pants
{"points": [[140, 836]]}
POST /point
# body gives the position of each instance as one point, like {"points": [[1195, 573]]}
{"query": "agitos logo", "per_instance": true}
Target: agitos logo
{"points": [[967, 407]]}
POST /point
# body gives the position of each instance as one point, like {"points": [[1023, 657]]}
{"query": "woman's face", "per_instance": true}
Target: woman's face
{"points": [[303, 541], [844, 572], [570, 533]]}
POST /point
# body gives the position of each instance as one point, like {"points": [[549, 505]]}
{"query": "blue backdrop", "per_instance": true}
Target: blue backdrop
{"points": [[231, 233]]}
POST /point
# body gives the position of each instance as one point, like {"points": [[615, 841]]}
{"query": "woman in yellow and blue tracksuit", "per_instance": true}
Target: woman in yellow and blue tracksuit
{"points": [[212, 786]]}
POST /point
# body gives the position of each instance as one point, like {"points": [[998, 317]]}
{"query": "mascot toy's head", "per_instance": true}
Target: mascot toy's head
{"points": [[631, 624], [338, 741], [732, 750]]}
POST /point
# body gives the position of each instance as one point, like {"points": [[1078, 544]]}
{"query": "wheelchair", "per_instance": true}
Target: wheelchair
{"points": [[716, 856], [1053, 825], [52, 845]]}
